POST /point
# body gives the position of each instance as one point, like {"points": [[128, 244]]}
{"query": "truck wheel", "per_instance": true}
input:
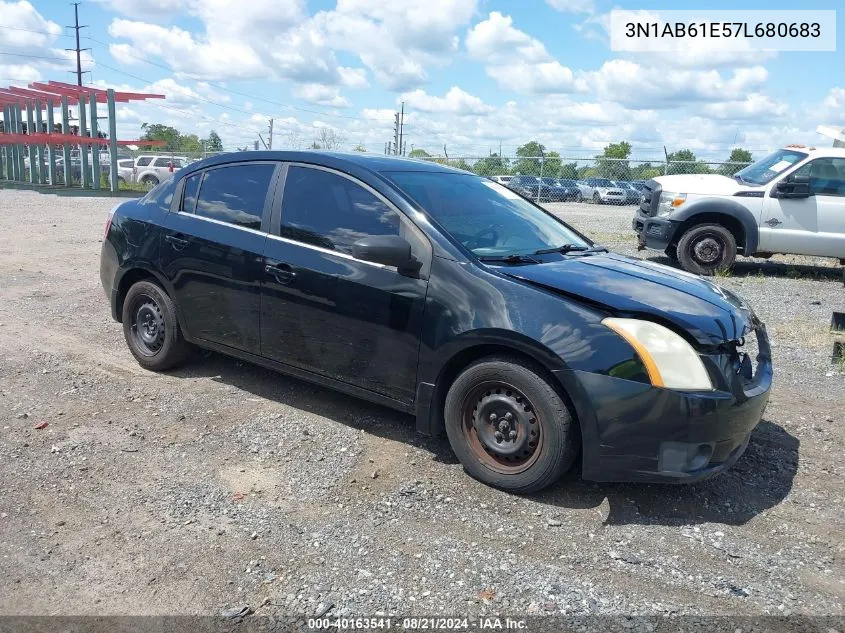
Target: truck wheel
{"points": [[705, 248], [151, 329], [508, 426]]}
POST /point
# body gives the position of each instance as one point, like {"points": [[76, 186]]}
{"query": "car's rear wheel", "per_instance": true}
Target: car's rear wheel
{"points": [[149, 181], [151, 328], [706, 248], [508, 426]]}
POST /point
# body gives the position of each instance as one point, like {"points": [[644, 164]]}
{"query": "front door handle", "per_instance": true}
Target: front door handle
{"points": [[283, 273], [176, 242]]}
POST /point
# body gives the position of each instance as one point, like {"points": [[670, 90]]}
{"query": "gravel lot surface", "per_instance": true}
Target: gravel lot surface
{"points": [[223, 484]]}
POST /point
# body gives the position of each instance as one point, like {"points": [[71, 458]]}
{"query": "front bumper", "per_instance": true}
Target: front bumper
{"points": [[633, 432], [653, 232]]}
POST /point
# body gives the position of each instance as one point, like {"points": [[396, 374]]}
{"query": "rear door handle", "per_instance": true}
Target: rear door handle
{"points": [[176, 242], [283, 273]]}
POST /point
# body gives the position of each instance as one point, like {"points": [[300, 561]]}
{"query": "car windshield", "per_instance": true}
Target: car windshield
{"points": [[765, 169], [486, 217]]}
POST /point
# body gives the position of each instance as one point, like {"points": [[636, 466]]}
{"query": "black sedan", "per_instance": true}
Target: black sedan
{"points": [[447, 296]]}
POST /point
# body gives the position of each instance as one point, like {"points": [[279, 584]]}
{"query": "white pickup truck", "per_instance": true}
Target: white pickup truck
{"points": [[792, 201]]}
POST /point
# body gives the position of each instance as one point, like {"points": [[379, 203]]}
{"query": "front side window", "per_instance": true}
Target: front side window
{"points": [[235, 194], [331, 211], [827, 176], [487, 218], [765, 169]]}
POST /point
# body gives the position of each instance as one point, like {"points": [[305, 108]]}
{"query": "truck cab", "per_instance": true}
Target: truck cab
{"points": [[791, 202]]}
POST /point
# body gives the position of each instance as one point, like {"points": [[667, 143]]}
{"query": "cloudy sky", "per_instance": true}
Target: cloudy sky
{"points": [[473, 74]]}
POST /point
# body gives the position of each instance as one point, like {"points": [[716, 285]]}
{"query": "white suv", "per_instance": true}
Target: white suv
{"points": [[151, 170], [792, 201]]}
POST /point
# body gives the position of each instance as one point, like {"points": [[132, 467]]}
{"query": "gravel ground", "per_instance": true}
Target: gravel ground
{"points": [[222, 484]]}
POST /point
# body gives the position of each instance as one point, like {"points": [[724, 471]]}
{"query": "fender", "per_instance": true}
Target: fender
{"points": [[724, 206]]}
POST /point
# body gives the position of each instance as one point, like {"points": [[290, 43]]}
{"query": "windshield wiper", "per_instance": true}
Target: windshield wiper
{"points": [[740, 179], [513, 258], [565, 248]]}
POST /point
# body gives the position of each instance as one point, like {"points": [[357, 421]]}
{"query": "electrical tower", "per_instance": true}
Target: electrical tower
{"points": [[396, 134], [78, 50]]}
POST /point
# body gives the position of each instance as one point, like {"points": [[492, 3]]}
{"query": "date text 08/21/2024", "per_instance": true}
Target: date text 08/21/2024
{"points": [[429, 624]]}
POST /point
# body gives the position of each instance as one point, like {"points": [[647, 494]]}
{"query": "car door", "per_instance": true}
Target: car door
{"points": [[212, 251], [326, 312], [813, 225], [161, 167]]}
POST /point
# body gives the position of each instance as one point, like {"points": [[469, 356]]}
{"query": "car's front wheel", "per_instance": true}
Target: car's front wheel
{"points": [[596, 198], [151, 329], [508, 425], [706, 248]]}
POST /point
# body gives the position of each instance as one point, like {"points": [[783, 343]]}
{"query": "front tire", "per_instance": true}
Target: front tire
{"points": [[508, 426], [596, 198], [151, 328], [705, 248]]}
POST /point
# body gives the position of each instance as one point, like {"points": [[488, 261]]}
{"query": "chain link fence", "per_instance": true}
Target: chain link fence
{"points": [[596, 180]]}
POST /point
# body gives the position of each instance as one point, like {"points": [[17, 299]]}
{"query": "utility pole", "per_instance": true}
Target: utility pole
{"points": [[78, 50], [396, 134], [401, 130], [270, 140]]}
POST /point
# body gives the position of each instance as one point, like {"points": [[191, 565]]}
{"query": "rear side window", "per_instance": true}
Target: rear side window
{"points": [[144, 161], [177, 163], [235, 194], [189, 198], [125, 163], [331, 211], [161, 162]]}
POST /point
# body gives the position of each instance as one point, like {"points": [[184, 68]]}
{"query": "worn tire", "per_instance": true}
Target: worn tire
{"points": [[705, 248], [554, 429], [149, 181], [148, 308]]}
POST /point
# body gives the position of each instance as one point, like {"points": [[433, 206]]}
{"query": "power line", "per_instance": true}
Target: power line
{"points": [[78, 50], [63, 59]]}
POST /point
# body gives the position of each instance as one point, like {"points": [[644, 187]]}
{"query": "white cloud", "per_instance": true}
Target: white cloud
{"points": [[755, 106], [353, 77], [514, 59], [20, 72], [456, 101], [637, 86], [155, 10], [573, 6], [831, 110], [322, 95]]}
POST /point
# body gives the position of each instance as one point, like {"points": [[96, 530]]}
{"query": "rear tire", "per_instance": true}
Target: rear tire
{"points": [[705, 248], [508, 426], [149, 181], [151, 328]]}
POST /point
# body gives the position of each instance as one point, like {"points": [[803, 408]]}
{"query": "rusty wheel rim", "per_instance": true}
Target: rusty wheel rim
{"points": [[501, 427]]}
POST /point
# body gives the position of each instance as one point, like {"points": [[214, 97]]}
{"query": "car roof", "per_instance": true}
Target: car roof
{"points": [[838, 152], [378, 163]]}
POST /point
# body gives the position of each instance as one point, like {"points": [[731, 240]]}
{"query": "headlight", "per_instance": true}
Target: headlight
{"points": [[670, 201], [669, 360]]}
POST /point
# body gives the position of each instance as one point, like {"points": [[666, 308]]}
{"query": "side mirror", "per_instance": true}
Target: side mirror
{"points": [[793, 187], [389, 250]]}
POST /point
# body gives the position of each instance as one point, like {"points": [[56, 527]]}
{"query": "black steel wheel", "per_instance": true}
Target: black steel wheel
{"points": [[705, 248], [151, 328], [509, 426]]}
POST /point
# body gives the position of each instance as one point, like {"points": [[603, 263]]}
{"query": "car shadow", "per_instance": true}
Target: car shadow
{"points": [[757, 268], [760, 480]]}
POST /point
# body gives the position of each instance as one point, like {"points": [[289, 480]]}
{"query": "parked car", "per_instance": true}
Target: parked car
{"points": [[502, 180], [439, 293], [572, 189], [527, 186], [125, 170], [792, 201], [602, 190], [632, 195], [639, 185], [151, 170]]}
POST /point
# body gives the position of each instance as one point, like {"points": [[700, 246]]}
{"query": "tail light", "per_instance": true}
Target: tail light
{"points": [[108, 221]]}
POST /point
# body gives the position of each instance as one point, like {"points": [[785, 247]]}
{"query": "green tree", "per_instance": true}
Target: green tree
{"points": [[213, 142], [159, 132], [529, 158], [460, 163], [682, 162], [738, 159], [613, 162], [359, 148], [552, 165], [419, 152], [493, 165], [569, 170], [190, 144]]}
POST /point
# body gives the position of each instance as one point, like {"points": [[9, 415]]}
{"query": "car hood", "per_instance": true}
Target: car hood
{"points": [[709, 184], [708, 313]]}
